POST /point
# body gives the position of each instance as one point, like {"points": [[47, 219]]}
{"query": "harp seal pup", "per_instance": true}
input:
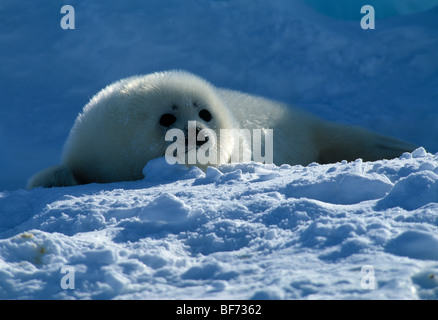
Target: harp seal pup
{"points": [[123, 127]]}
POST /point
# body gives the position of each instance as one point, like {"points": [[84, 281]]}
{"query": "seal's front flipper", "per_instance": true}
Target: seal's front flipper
{"points": [[57, 176]]}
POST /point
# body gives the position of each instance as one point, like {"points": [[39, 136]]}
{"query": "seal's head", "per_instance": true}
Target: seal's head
{"points": [[124, 125]]}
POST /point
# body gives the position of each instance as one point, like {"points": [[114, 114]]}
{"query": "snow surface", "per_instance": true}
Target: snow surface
{"points": [[241, 231]]}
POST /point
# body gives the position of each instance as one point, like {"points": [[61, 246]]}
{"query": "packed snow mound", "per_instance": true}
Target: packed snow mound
{"points": [[240, 231]]}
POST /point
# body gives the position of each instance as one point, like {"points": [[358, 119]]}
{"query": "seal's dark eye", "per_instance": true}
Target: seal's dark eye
{"points": [[205, 115], [167, 119]]}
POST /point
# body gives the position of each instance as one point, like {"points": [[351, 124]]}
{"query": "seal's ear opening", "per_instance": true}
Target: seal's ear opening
{"points": [[57, 176]]}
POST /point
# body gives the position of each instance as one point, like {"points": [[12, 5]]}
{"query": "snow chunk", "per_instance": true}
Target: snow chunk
{"points": [[35, 246], [412, 192], [426, 279], [229, 177], [201, 272], [267, 294], [215, 176], [101, 257], [158, 170], [265, 174], [166, 208], [212, 175], [427, 283], [414, 244], [406, 156], [344, 188], [419, 153]]}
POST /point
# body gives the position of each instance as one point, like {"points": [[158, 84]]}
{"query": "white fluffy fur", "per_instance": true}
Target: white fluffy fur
{"points": [[118, 131]]}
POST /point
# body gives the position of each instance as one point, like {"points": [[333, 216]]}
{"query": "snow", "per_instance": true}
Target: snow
{"points": [[240, 231], [243, 231]]}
